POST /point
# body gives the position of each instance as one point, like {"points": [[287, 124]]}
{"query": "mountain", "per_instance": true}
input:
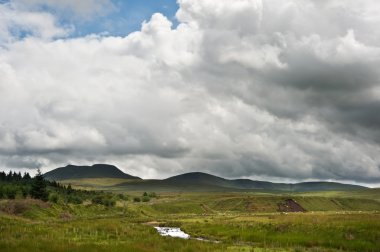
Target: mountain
{"points": [[204, 179], [198, 178], [198, 181], [94, 171], [192, 181]]}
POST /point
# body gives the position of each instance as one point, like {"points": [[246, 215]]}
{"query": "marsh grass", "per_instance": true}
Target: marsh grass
{"points": [[346, 231], [240, 221]]}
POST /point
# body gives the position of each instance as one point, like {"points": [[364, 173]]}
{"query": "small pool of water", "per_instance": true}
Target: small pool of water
{"points": [[172, 231]]}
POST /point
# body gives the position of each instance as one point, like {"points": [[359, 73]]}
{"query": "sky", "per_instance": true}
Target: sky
{"points": [[272, 90]]}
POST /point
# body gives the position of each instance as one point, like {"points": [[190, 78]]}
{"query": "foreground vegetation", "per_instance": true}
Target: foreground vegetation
{"points": [[229, 221]]}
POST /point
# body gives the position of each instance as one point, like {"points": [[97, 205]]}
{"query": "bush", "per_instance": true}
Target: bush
{"points": [[105, 200], [74, 199], [15, 207], [136, 199], [53, 197], [97, 200], [122, 196], [108, 202], [25, 191], [145, 199], [152, 195], [22, 206], [10, 191]]}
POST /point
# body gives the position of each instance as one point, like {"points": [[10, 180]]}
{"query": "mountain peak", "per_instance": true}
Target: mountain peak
{"points": [[94, 171], [198, 178]]}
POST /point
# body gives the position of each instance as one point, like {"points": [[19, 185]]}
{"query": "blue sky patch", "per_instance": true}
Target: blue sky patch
{"points": [[126, 17], [122, 18]]}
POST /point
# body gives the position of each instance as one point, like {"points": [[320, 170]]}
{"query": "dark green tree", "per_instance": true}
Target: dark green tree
{"points": [[70, 190], [38, 190], [26, 176]]}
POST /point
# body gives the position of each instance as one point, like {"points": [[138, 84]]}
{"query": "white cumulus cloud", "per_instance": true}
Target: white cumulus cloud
{"points": [[244, 88]]}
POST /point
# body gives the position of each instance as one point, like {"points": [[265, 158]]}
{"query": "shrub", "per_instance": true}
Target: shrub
{"points": [[15, 207], [136, 199], [145, 199], [108, 202], [105, 200], [152, 195], [25, 191], [74, 199], [21, 206], [122, 196], [53, 197], [97, 200], [10, 191]]}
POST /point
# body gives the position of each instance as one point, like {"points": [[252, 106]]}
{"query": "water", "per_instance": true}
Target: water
{"points": [[172, 231], [178, 233]]}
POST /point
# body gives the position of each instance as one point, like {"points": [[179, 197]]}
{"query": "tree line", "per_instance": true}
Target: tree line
{"points": [[14, 177], [14, 185]]}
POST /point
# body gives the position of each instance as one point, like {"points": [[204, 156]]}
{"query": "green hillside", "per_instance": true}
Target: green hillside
{"points": [[82, 172], [198, 181], [99, 175]]}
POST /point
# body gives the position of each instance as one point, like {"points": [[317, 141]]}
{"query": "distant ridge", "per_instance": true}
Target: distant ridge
{"points": [[203, 179], [81, 172], [192, 181]]}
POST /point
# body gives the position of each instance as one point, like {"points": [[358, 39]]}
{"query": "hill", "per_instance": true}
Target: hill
{"points": [[199, 178], [194, 181], [198, 181], [81, 172]]}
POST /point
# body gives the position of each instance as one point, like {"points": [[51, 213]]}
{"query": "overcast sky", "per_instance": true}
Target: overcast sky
{"points": [[263, 89]]}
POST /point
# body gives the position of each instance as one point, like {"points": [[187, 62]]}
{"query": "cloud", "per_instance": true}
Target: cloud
{"points": [[82, 9], [16, 23], [249, 88]]}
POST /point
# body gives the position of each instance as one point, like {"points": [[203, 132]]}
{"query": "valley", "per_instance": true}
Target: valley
{"points": [[213, 218]]}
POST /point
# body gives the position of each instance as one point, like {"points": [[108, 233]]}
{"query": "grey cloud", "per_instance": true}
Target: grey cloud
{"points": [[17, 162], [252, 88]]}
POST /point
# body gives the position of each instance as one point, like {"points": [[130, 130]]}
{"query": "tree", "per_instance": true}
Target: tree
{"points": [[70, 190], [26, 176], [9, 176], [3, 176], [38, 190]]}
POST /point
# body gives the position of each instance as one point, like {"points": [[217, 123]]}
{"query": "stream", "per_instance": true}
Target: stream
{"points": [[178, 233], [172, 231]]}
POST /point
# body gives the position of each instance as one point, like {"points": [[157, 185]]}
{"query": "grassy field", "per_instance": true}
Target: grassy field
{"points": [[240, 221], [94, 183]]}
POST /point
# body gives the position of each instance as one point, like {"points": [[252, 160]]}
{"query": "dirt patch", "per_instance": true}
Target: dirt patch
{"points": [[290, 205]]}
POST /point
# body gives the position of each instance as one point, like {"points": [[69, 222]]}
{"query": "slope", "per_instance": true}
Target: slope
{"points": [[80, 172]]}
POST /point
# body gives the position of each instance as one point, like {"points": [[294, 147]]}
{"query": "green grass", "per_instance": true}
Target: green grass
{"points": [[349, 231], [110, 234], [239, 221], [373, 194], [94, 183]]}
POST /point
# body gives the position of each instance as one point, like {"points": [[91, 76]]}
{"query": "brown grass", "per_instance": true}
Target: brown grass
{"points": [[20, 206]]}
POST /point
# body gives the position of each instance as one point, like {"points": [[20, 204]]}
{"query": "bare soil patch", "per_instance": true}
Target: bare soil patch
{"points": [[290, 205]]}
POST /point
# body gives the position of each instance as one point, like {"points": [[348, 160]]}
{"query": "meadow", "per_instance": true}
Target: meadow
{"points": [[230, 221]]}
